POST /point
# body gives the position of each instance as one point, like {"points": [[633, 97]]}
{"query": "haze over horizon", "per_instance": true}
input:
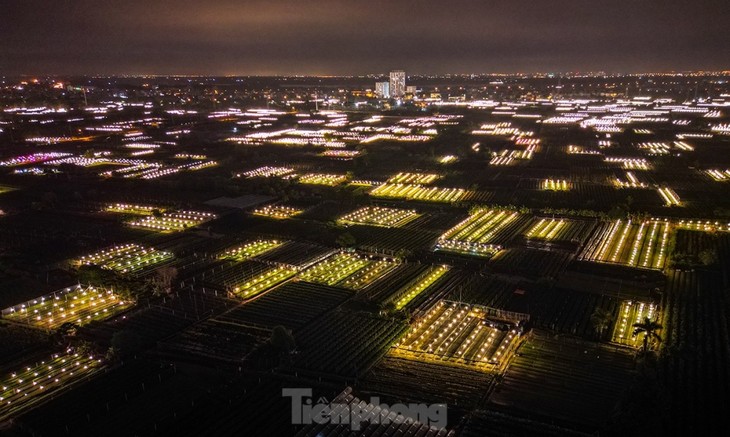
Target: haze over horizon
{"points": [[329, 37]]}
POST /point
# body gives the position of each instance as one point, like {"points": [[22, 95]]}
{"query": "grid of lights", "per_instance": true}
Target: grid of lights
{"points": [[632, 312], [413, 178], [322, 179], [173, 221], [418, 192], [634, 244], [251, 249], [126, 258], [555, 185], [379, 216], [459, 333], [79, 305], [669, 196]]}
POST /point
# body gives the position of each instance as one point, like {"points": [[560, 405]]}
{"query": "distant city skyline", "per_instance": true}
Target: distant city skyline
{"points": [[345, 37]]}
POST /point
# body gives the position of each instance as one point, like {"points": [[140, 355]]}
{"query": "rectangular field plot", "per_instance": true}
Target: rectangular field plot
{"points": [[559, 230], [419, 192], [291, 305], [632, 312], [126, 258], [322, 179], [277, 211], [132, 209], [565, 379], [250, 249], [173, 221], [459, 333], [406, 294], [629, 243], [26, 387], [264, 281], [79, 305], [414, 178], [379, 216], [482, 233], [348, 270], [346, 344]]}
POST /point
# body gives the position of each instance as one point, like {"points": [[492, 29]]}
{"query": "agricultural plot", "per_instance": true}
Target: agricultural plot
{"points": [[250, 249], [335, 268], [291, 305], [129, 208], [414, 178], [278, 211], [173, 221], [555, 185], [5, 189], [368, 275], [481, 233], [462, 334], [379, 216], [405, 294], [531, 263], [719, 175], [397, 379], [561, 378], [419, 192], [330, 180], [126, 258], [346, 344], [264, 281], [559, 230], [634, 244], [632, 312], [23, 389], [669, 196], [78, 305]]}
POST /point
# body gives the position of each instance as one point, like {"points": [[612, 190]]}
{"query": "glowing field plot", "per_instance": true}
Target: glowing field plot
{"points": [[250, 250], [335, 268], [330, 180], [630, 243], [79, 305], [264, 281], [126, 258], [477, 234], [632, 312], [173, 221], [130, 208], [379, 216], [414, 178], [419, 192], [459, 334], [402, 297], [278, 211], [25, 387]]}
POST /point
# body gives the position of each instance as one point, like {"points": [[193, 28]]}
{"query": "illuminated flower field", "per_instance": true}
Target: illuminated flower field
{"points": [[457, 333], [173, 221], [250, 250], [277, 211], [634, 244], [418, 192], [632, 312], [127, 258], [477, 234], [264, 281], [379, 216], [78, 305], [25, 387]]}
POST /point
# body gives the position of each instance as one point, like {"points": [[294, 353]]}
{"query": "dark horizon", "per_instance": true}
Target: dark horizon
{"points": [[346, 38]]}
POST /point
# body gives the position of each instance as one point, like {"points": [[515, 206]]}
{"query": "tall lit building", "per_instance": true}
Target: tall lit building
{"points": [[397, 83], [382, 90]]}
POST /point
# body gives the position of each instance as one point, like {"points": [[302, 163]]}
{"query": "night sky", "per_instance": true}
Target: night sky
{"points": [[333, 37]]}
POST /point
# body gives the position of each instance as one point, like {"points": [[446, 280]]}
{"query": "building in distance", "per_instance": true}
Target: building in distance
{"points": [[382, 90], [397, 84]]}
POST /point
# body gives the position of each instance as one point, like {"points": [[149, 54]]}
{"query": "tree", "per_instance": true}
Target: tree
{"points": [[648, 327], [345, 240], [162, 281], [282, 340], [708, 257], [601, 320]]}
